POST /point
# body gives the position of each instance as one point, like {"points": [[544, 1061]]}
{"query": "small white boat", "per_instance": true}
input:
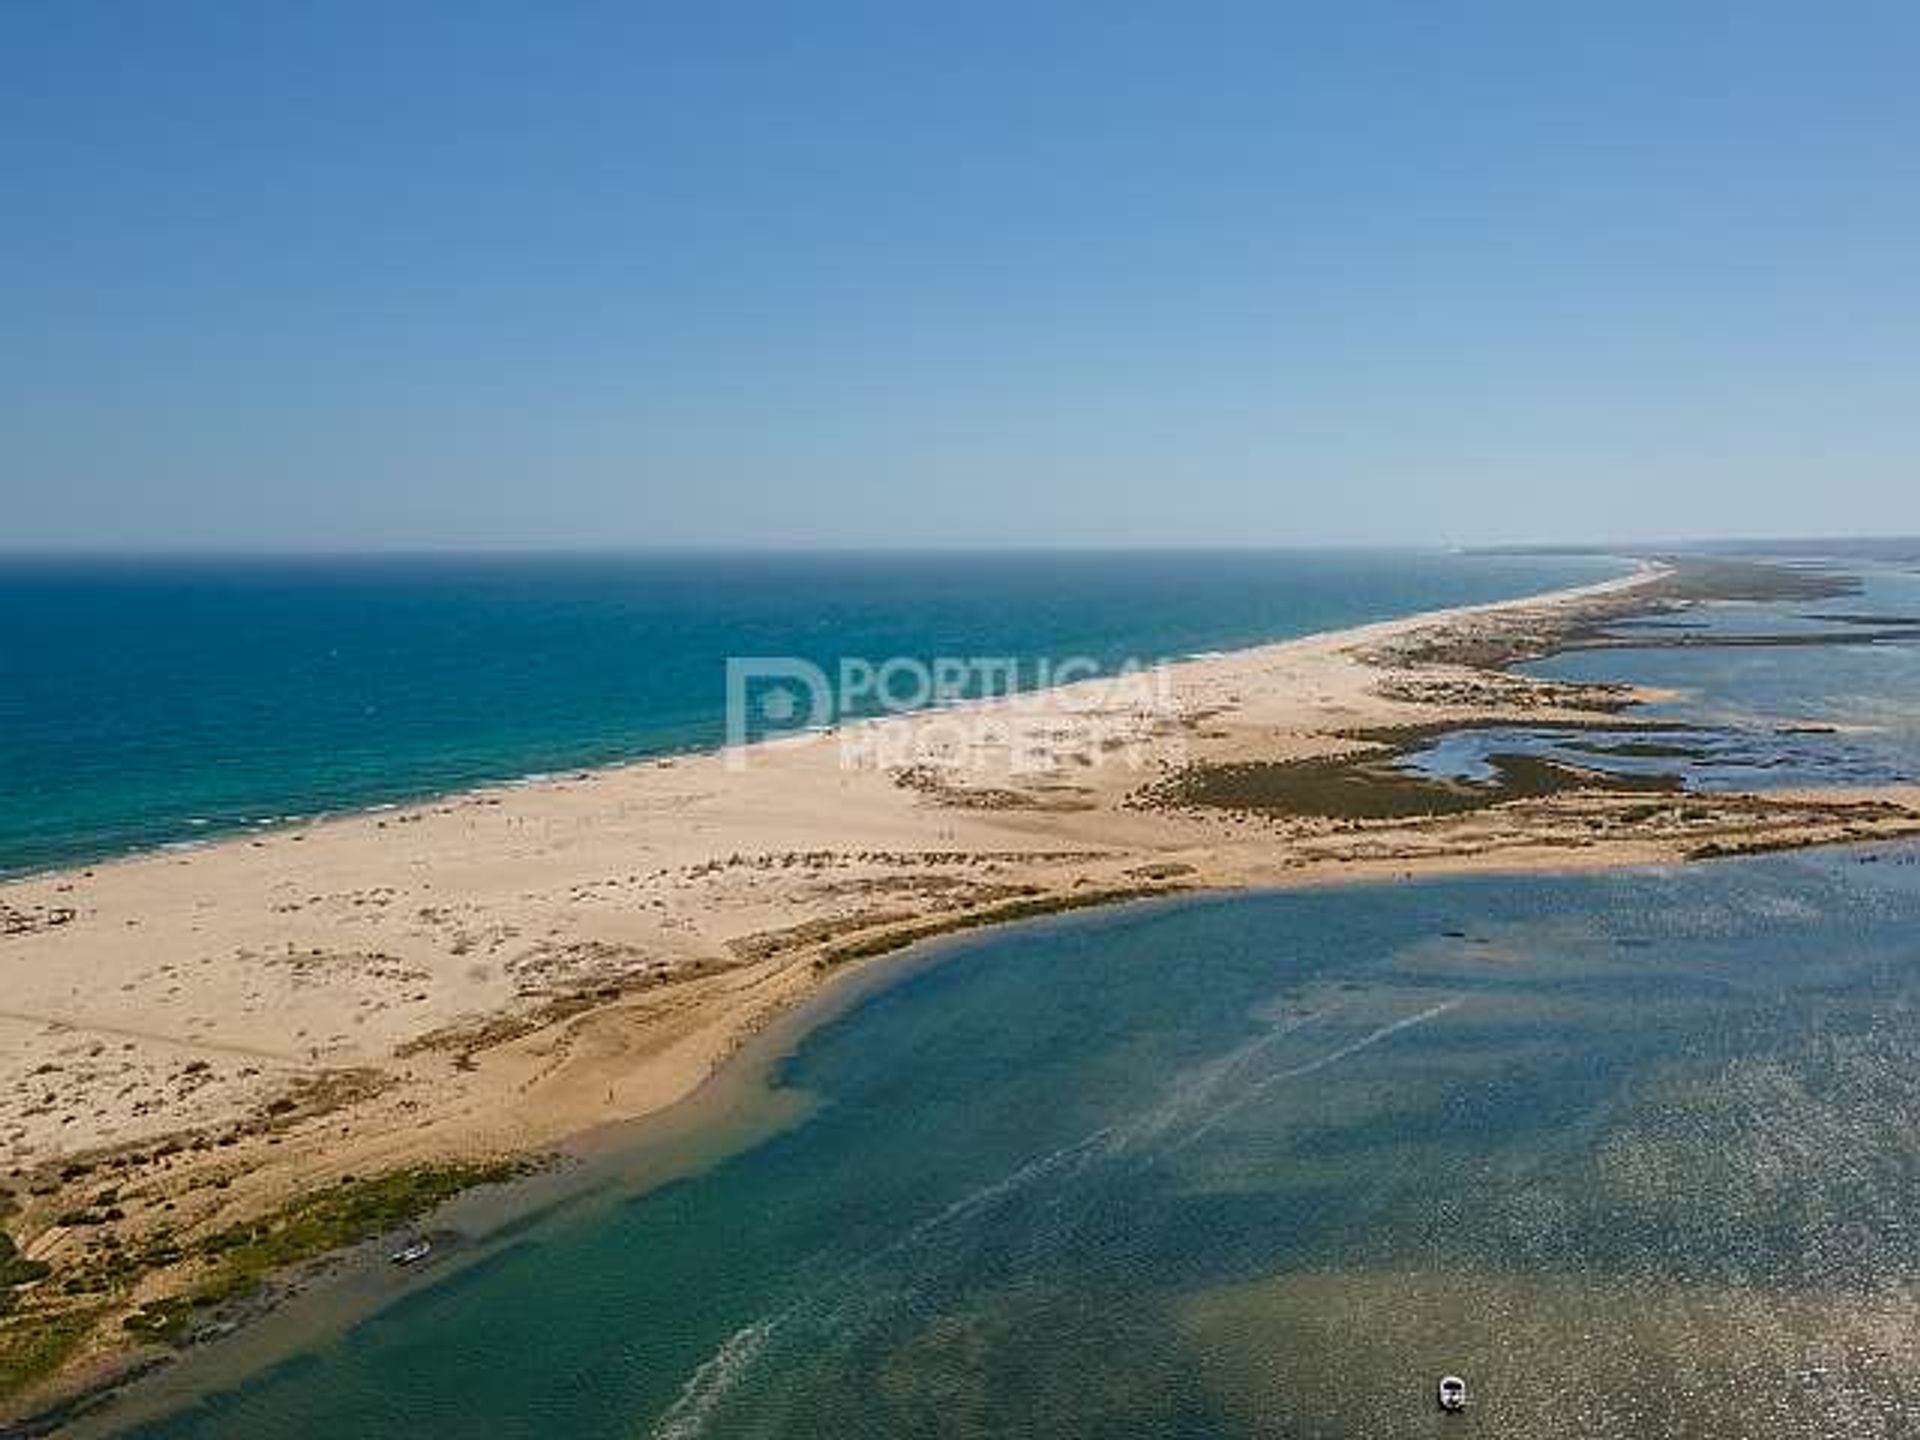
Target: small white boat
{"points": [[1453, 1393], [412, 1253]]}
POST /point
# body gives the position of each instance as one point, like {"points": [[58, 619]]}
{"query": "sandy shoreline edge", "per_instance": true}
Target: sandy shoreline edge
{"points": [[267, 827], [211, 1033]]}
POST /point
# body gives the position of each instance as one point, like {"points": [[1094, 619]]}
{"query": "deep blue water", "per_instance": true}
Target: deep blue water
{"points": [[152, 701], [1636, 1153]]}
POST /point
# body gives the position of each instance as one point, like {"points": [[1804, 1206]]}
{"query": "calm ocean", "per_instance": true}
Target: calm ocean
{"points": [[146, 702]]}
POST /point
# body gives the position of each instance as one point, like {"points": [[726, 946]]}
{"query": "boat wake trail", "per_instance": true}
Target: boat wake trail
{"points": [[710, 1384], [717, 1377], [1062, 1161], [1295, 1072], [1197, 1091], [1046, 1201]]}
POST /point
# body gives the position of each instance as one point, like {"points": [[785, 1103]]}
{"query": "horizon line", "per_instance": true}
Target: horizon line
{"points": [[694, 548]]}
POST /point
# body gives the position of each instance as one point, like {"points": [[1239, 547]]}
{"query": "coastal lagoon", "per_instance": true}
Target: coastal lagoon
{"points": [[1835, 703], [1636, 1153]]}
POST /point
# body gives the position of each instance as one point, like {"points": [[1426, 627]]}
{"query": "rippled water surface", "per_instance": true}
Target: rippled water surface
{"points": [[1638, 1154]]}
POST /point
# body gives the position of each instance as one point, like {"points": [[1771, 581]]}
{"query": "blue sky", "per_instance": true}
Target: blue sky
{"points": [[343, 275]]}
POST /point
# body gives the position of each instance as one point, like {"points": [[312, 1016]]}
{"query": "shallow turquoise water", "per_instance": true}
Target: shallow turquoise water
{"points": [[1637, 1153], [152, 701]]}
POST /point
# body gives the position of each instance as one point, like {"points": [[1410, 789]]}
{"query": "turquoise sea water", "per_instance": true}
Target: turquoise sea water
{"points": [[144, 702], [1635, 1153]]}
